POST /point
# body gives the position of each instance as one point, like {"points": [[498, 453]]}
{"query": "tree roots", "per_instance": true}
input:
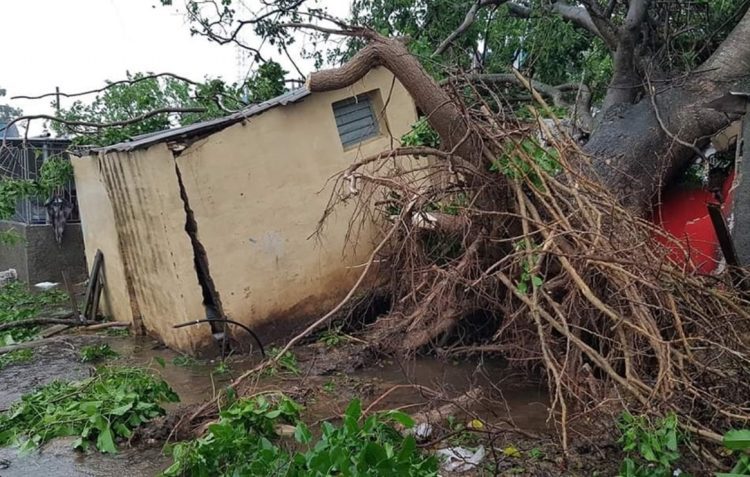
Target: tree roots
{"points": [[577, 286]]}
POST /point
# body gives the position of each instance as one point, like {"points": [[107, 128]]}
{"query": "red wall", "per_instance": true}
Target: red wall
{"points": [[683, 214]]}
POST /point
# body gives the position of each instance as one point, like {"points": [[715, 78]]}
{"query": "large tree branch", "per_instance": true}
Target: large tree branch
{"points": [[731, 60], [626, 81]]}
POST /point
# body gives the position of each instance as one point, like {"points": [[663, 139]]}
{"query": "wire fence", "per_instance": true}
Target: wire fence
{"points": [[23, 159]]}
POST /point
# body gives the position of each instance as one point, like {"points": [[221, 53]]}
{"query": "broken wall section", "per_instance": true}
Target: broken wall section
{"points": [[132, 210]]}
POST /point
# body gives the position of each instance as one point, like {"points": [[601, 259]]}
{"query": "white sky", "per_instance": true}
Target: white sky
{"points": [[78, 44]]}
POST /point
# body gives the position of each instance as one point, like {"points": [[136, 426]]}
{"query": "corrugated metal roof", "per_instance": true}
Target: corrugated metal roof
{"points": [[206, 127]]}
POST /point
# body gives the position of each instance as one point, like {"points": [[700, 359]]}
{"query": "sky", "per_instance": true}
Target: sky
{"points": [[78, 44]]}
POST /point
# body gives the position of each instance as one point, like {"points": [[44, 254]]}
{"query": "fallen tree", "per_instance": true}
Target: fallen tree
{"points": [[548, 246], [566, 279]]}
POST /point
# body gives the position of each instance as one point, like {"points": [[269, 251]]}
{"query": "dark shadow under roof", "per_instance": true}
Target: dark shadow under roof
{"points": [[206, 128]]}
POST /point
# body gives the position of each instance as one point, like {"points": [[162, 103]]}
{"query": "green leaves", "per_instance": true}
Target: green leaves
{"points": [[421, 134], [92, 353], [145, 92], [99, 410], [525, 161], [737, 439], [652, 448], [244, 442]]}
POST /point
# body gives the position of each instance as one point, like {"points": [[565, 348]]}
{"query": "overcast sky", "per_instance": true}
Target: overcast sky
{"points": [[77, 44]]}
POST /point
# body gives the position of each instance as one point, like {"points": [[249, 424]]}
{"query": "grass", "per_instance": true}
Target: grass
{"points": [[16, 357], [99, 410]]}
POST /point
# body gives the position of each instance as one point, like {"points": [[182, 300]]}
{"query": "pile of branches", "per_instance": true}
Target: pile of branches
{"points": [[562, 278]]}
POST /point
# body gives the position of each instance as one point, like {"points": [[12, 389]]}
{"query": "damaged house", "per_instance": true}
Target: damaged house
{"points": [[219, 218]]}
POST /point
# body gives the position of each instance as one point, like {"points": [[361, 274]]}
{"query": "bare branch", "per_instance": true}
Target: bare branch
{"points": [[109, 85], [130, 82], [579, 16], [90, 124], [469, 20], [582, 17]]}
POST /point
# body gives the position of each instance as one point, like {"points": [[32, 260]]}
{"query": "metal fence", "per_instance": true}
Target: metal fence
{"points": [[23, 159]]}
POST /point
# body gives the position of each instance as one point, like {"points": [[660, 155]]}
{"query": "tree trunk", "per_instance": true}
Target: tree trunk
{"points": [[633, 155]]}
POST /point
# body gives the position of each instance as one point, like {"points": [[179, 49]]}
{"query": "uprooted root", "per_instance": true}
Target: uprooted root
{"points": [[580, 287]]}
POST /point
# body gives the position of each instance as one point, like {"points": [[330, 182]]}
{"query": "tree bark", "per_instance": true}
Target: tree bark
{"points": [[633, 156]]}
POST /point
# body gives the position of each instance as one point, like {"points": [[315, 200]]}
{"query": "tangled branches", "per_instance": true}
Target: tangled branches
{"points": [[562, 278]]}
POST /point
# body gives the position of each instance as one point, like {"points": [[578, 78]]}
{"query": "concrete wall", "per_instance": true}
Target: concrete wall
{"points": [[38, 258], [257, 190], [140, 229]]}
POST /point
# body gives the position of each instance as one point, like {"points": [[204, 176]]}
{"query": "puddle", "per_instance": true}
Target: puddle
{"points": [[325, 397], [57, 459]]}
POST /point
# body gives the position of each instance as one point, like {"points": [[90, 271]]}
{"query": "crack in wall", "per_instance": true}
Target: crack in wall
{"points": [[211, 298]]}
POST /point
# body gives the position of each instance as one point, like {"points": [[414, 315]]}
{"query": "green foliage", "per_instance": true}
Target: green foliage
{"points": [[55, 172], [332, 337], [92, 353], [245, 442], [99, 410], [520, 162], [421, 134], [7, 112], [528, 279], [13, 190], [222, 368], [652, 448], [184, 361], [126, 101], [286, 363], [738, 441], [16, 357], [18, 303]]}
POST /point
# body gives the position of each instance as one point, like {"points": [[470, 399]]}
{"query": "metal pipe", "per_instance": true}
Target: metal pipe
{"points": [[225, 320]]}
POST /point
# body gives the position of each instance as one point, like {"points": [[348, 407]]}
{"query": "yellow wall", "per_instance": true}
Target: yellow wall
{"points": [[139, 226], [100, 233], [257, 190]]}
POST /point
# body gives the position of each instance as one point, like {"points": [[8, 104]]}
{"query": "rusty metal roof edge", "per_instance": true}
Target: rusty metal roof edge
{"points": [[205, 128]]}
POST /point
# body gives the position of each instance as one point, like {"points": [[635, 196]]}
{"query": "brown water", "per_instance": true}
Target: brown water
{"points": [[325, 397]]}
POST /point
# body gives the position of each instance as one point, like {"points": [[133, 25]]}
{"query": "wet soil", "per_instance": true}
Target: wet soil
{"points": [[325, 385]]}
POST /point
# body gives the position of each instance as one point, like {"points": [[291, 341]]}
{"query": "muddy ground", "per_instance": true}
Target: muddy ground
{"points": [[513, 412]]}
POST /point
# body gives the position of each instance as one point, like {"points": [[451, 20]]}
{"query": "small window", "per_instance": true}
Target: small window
{"points": [[355, 120]]}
